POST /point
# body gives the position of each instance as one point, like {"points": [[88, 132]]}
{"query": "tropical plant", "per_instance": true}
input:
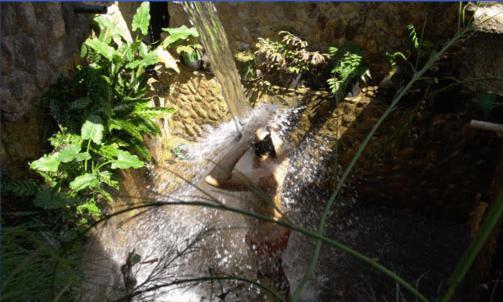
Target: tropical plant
{"points": [[287, 59], [347, 66], [102, 114], [184, 40]]}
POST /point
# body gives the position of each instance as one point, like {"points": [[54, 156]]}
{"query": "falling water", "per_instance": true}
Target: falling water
{"points": [[203, 15]]}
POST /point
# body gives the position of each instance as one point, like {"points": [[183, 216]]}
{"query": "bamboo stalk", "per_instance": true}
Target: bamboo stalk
{"points": [[488, 126]]}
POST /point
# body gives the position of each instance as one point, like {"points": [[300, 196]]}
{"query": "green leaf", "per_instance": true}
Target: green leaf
{"points": [[185, 48], [413, 36], [141, 19], [166, 59], [49, 199], [149, 59], [82, 156], [89, 207], [80, 103], [126, 160], [127, 126], [157, 112], [101, 48], [111, 29], [84, 181], [108, 178], [47, 163], [21, 188], [69, 153], [83, 51], [93, 129], [109, 151], [179, 33]]}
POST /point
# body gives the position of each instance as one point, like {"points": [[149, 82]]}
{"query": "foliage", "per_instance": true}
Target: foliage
{"points": [[416, 55], [103, 114], [36, 266], [190, 49], [347, 66], [488, 102], [286, 59], [246, 64], [20, 188]]}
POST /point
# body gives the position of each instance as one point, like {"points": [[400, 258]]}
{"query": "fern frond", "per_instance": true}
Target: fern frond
{"points": [[21, 188], [413, 36]]}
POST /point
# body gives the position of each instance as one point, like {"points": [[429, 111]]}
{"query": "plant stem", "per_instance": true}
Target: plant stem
{"points": [[308, 233], [473, 249], [87, 150], [201, 279]]}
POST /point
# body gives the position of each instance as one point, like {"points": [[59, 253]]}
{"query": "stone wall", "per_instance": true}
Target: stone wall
{"points": [[39, 41], [375, 27], [482, 62]]}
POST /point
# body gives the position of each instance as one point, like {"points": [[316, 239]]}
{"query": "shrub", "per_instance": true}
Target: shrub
{"points": [[102, 114], [286, 61]]}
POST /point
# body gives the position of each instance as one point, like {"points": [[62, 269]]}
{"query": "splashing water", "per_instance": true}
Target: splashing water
{"points": [[203, 15]]}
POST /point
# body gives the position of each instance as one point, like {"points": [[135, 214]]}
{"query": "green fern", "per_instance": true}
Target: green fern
{"points": [[21, 188], [347, 66], [413, 36]]}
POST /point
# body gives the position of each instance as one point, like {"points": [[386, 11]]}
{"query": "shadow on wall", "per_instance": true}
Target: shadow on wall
{"points": [[39, 41]]}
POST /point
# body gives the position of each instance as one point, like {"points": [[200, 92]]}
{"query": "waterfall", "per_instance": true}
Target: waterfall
{"points": [[203, 15]]}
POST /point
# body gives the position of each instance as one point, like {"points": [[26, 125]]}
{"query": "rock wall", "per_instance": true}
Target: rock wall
{"points": [[38, 42], [484, 62], [374, 27]]}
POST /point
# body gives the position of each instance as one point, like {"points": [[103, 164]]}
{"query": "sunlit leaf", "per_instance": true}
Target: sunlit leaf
{"points": [[166, 59], [93, 129], [141, 19], [179, 33], [150, 59], [89, 207], [83, 156], [69, 153], [107, 178], [101, 48], [84, 181], [47, 163], [126, 160]]}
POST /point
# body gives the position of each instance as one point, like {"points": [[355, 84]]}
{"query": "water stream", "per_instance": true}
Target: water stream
{"points": [[203, 15]]}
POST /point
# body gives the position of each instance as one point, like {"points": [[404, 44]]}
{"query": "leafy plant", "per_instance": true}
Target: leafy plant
{"points": [[419, 51], [347, 66], [190, 49], [246, 64], [20, 188], [103, 114], [287, 59]]}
